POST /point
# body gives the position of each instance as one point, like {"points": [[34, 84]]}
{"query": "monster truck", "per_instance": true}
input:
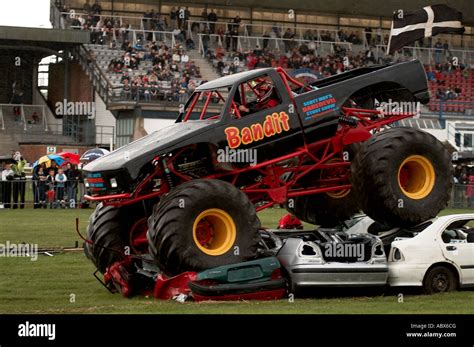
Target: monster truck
{"points": [[186, 196]]}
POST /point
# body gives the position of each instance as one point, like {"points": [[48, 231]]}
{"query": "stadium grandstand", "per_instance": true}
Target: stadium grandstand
{"points": [[137, 61]]}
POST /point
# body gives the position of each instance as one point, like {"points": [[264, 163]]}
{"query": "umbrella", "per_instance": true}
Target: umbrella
{"points": [[47, 159], [93, 154], [70, 157]]}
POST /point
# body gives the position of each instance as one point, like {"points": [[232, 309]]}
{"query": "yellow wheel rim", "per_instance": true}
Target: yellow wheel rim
{"points": [[337, 194], [214, 232], [416, 177]]}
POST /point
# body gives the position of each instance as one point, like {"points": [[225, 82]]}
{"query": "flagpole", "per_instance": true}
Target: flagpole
{"points": [[389, 39]]}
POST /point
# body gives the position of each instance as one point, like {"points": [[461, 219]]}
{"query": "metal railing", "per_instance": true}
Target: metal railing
{"points": [[430, 55], [251, 42], [466, 42], [28, 193], [119, 36], [1, 119], [99, 80], [252, 28], [17, 113]]}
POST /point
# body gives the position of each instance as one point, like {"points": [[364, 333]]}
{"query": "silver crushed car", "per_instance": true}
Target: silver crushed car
{"points": [[328, 257]]}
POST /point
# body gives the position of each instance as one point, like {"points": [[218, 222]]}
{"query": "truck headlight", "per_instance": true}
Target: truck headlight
{"points": [[86, 184], [113, 183]]}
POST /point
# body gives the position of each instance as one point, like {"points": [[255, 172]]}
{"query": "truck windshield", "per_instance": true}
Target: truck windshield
{"points": [[205, 105]]}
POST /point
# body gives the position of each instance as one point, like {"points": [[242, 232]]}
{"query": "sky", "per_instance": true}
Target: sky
{"points": [[25, 13]]}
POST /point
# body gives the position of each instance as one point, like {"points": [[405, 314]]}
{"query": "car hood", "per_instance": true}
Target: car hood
{"points": [[134, 155]]}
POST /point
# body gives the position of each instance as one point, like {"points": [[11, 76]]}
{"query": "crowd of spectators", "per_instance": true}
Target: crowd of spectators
{"points": [[170, 74], [463, 186], [302, 56], [448, 80], [53, 186]]}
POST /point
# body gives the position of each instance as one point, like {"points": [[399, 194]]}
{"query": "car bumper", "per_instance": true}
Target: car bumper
{"points": [[338, 274], [403, 274]]}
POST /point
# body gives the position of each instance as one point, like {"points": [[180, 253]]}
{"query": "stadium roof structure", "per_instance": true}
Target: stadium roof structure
{"points": [[361, 8], [43, 41]]}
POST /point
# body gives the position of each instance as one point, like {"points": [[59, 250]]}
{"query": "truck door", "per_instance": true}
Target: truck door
{"points": [[261, 118]]}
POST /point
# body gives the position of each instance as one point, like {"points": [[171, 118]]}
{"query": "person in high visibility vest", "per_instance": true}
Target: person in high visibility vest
{"points": [[19, 180]]}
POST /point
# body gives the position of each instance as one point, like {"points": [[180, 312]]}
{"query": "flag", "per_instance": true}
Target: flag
{"points": [[410, 26]]}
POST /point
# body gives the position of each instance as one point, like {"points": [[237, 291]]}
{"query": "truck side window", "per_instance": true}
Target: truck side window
{"points": [[256, 95]]}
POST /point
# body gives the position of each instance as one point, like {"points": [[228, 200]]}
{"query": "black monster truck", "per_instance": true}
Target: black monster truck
{"points": [[186, 196]]}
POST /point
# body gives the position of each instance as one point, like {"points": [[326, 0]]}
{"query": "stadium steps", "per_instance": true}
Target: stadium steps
{"points": [[208, 72], [14, 134]]}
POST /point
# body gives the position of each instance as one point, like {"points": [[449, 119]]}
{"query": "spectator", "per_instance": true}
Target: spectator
{"points": [[19, 180], [173, 18], [265, 40], [438, 50], [289, 221], [287, 37], [368, 35], [87, 7], [50, 184], [180, 17], [446, 50], [126, 90], [41, 186], [96, 8], [7, 178], [72, 175], [212, 18], [60, 180]]}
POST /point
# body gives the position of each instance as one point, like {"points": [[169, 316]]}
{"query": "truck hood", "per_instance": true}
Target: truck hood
{"points": [[134, 155]]}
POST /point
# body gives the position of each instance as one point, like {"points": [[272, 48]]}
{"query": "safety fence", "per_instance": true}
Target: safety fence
{"points": [[28, 193], [23, 192]]}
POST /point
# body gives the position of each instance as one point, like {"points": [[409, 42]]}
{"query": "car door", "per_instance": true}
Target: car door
{"points": [[456, 249]]}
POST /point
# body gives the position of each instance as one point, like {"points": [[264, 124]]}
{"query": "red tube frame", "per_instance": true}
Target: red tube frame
{"points": [[271, 189]]}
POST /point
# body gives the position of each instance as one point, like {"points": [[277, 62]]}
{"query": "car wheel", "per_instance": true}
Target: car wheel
{"points": [[439, 279]]}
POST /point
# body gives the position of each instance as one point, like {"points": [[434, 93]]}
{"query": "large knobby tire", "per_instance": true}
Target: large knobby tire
{"points": [[202, 224], [109, 229], [439, 279], [402, 177], [326, 209]]}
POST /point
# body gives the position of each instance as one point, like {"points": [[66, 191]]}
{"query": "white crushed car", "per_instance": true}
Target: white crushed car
{"points": [[437, 255], [440, 257]]}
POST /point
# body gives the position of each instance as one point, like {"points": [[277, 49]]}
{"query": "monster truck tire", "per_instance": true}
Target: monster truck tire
{"points": [[326, 209], [203, 224], [402, 177], [108, 230]]}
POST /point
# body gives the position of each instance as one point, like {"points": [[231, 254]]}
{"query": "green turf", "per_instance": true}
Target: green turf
{"points": [[46, 285]]}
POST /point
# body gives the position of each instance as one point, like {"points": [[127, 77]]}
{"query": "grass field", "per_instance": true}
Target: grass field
{"points": [[48, 284]]}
